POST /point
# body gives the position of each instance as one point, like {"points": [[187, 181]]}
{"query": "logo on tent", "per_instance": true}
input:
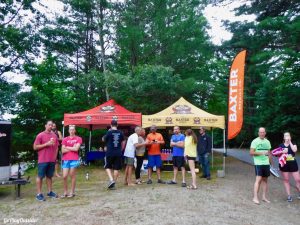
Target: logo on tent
{"points": [[88, 118], [182, 109], [196, 120], [169, 120], [108, 108]]}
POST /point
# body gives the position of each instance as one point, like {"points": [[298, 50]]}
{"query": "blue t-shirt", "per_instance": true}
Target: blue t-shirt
{"points": [[177, 151], [113, 139]]}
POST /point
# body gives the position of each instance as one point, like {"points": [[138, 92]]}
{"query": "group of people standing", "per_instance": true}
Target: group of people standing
{"points": [[185, 148], [262, 156]]}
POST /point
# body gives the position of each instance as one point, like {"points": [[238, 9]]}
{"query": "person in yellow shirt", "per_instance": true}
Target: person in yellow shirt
{"points": [[190, 152]]}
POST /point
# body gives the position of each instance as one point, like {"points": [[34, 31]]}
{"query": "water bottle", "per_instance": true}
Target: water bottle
{"points": [[87, 176]]}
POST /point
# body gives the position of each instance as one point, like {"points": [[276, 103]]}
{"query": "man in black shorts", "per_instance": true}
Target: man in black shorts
{"points": [[260, 150], [113, 156], [177, 143]]}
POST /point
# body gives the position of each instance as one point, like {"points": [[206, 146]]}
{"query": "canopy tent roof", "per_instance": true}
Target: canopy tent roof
{"points": [[102, 115], [183, 113]]}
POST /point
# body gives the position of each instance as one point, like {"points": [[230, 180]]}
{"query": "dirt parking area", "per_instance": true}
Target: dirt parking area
{"points": [[219, 201]]}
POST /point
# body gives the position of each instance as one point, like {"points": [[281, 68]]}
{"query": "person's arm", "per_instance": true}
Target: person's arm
{"points": [[293, 147], [184, 146], [64, 149], [179, 144], [75, 148], [38, 147], [255, 153], [161, 141], [270, 158], [137, 145], [59, 135]]}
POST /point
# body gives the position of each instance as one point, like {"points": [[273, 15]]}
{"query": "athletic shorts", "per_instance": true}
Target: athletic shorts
{"points": [[46, 169], [262, 170], [178, 161], [290, 166], [191, 158], [154, 160], [129, 161], [113, 162], [68, 164]]}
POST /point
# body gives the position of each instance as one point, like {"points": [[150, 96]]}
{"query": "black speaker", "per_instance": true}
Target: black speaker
{"points": [[5, 142]]}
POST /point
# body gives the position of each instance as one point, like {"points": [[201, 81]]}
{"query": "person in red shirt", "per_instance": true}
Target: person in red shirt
{"points": [[46, 145], [154, 140], [70, 157]]}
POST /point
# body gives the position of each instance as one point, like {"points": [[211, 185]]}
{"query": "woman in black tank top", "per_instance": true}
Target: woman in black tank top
{"points": [[291, 166]]}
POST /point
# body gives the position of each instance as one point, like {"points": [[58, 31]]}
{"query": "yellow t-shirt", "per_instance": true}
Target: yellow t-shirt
{"points": [[190, 148]]}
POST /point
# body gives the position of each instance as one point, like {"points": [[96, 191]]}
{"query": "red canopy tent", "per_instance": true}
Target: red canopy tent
{"points": [[101, 116]]}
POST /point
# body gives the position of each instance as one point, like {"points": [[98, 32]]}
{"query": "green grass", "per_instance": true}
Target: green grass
{"points": [[96, 185]]}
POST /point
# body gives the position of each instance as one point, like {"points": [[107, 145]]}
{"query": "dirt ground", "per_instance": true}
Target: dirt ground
{"points": [[219, 201]]}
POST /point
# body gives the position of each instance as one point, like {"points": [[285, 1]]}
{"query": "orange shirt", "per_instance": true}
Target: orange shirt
{"points": [[154, 149]]}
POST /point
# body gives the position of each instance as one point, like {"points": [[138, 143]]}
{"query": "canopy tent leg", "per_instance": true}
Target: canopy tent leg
{"points": [[63, 127], [90, 140], [212, 147], [224, 151]]}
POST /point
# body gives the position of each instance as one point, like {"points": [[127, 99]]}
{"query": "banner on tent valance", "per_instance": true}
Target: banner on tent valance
{"points": [[192, 121]]}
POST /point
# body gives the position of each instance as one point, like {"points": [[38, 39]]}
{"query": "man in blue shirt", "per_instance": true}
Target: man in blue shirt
{"points": [[177, 142]]}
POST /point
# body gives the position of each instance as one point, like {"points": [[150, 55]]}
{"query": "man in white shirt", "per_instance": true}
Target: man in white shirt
{"points": [[131, 145]]}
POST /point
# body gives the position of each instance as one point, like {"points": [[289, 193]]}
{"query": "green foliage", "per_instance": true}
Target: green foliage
{"points": [[145, 55], [272, 71], [147, 89]]}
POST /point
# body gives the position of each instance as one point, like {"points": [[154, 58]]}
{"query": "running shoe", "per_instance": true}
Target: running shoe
{"points": [[289, 198], [52, 194], [160, 181], [111, 184], [40, 197], [171, 182]]}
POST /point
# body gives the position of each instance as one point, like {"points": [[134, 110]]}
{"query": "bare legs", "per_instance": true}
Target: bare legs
{"points": [[192, 168], [263, 182], [286, 181], [112, 176], [72, 173], [56, 170], [175, 170], [296, 177], [150, 173], [128, 174], [256, 189], [39, 183]]}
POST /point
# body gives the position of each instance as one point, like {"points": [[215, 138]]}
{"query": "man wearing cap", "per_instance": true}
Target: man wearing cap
{"points": [[154, 140], [113, 155]]}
